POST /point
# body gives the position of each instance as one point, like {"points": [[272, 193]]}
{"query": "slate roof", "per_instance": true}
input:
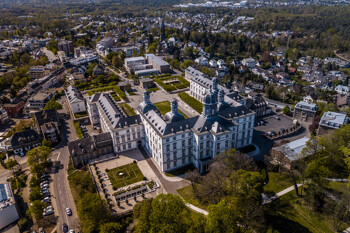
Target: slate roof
{"points": [[89, 144], [26, 137], [74, 94], [293, 149], [46, 116], [333, 120]]}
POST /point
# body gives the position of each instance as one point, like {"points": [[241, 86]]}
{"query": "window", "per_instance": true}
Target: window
{"points": [[175, 163], [129, 145], [183, 143], [124, 147], [168, 157], [167, 140], [183, 161], [183, 135], [167, 147], [218, 146], [183, 152], [201, 145], [174, 146], [175, 155]]}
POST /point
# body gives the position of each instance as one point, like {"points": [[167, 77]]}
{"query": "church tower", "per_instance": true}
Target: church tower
{"points": [[162, 31]]}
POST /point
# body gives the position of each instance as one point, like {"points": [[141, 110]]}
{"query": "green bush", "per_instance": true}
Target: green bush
{"points": [[120, 93], [194, 103]]}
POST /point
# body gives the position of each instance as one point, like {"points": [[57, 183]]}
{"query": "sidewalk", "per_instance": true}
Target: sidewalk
{"points": [[267, 199], [195, 208]]}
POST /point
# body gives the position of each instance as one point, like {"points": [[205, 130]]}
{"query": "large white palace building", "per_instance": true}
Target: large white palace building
{"points": [[172, 140]]}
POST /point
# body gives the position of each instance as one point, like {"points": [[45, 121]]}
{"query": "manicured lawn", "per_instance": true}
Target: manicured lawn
{"points": [[80, 114], [291, 214], [277, 182], [78, 130], [165, 107], [127, 109], [187, 194], [192, 102], [131, 173]]}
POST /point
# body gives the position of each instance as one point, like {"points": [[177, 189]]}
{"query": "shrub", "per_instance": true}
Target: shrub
{"points": [[114, 188], [144, 178], [107, 170]]}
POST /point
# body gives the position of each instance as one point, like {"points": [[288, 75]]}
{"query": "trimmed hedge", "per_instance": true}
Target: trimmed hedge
{"points": [[127, 109], [116, 89], [172, 87], [194, 103]]}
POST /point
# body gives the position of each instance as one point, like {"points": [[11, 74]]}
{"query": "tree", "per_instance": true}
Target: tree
{"points": [[11, 163], [35, 194], [52, 104], [111, 227], [37, 209], [223, 217], [37, 157], [286, 110], [186, 64], [165, 213]]}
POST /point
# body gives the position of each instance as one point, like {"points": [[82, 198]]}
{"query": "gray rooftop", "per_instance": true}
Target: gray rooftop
{"points": [[157, 60], [292, 150], [308, 106], [333, 120]]}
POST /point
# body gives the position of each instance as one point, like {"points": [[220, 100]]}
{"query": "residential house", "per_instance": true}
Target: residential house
{"points": [[75, 99], [24, 141], [48, 125], [203, 61], [331, 121], [340, 89], [288, 154], [249, 62], [86, 149], [305, 111]]}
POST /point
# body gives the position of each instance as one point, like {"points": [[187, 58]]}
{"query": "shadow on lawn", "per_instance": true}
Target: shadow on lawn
{"points": [[277, 221]]}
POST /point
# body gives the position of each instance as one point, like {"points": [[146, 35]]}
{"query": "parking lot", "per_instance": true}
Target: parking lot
{"points": [[275, 123]]}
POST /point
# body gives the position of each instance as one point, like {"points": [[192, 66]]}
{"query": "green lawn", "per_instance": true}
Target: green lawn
{"points": [[153, 89], [187, 194], [127, 109], [340, 187], [277, 182], [78, 130], [290, 213], [131, 174], [164, 107], [194, 103]]}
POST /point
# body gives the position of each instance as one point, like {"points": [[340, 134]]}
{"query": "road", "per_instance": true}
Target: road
{"points": [[341, 57], [61, 190]]}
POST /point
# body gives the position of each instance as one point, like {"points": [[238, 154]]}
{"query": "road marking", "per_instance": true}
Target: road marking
{"points": [[58, 155]]}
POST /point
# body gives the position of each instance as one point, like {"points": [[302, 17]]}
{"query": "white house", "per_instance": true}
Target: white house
{"points": [[249, 62], [213, 63], [203, 61], [75, 99], [340, 89]]}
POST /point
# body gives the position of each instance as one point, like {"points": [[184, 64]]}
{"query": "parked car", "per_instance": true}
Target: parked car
{"points": [[271, 133], [276, 117], [283, 130], [47, 194], [21, 154], [68, 211], [47, 212], [46, 200], [262, 122], [44, 182], [44, 186], [71, 231], [64, 227]]}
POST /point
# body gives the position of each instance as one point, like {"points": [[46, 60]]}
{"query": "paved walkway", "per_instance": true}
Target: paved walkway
{"points": [[267, 199], [197, 209]]}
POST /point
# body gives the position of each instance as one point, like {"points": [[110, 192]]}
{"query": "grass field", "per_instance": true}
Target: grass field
{"points": [[127, 109], [291, 214], [277, 182], [187, 194], [131, 174], [165, 107]]}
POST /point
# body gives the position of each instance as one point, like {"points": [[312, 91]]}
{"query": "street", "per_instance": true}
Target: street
{"points": [[61, 191]]}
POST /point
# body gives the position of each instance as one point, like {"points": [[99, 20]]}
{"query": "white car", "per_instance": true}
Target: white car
{"points": [[44, 186], [71, 231], [68, 211]]}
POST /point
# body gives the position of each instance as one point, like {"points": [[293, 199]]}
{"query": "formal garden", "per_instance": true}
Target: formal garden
{"points": [[125, 175], [172, 83]]}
